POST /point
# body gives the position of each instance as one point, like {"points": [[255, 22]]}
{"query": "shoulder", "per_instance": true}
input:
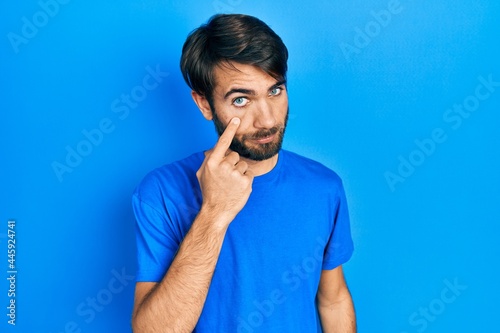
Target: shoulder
{"points": [[169, 178], [310, 169]]}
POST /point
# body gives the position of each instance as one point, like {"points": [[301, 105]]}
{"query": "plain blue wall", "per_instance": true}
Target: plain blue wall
{"points": [[366, 98]]}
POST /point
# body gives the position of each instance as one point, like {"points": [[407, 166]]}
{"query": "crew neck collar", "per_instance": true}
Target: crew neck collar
{"points": [[273, 173]]}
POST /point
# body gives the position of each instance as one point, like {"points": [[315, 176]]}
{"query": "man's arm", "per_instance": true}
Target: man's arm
{"points": [[335, 305], [175, 304]]}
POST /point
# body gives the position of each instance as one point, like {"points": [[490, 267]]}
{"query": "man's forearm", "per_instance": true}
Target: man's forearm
{"points": [[338, 317], [175, 304]]}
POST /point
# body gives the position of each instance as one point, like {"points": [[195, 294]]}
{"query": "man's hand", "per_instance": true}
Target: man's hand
{"points": [[175, 303], [225, 180]]}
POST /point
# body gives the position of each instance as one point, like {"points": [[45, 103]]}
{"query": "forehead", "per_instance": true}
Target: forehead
{"points": [[235, 75]]}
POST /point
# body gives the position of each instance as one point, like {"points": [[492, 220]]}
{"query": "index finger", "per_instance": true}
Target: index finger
{"points": [[226, 138]]}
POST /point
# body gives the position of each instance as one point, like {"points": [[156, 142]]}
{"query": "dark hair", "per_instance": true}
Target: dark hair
{"points": [[231, 37]]}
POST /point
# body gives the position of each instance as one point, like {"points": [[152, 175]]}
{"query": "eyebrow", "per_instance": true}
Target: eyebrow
{"points": [[250, 91]]}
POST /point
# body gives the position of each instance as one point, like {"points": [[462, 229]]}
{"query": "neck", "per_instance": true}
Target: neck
{"points": [[261, 167]]}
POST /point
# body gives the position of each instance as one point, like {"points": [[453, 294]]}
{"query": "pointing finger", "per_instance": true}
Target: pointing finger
{"points": [[225, 139]]}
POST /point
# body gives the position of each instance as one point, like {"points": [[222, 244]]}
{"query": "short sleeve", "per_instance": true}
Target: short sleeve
{"points": [[156, 246], [340, 246]]}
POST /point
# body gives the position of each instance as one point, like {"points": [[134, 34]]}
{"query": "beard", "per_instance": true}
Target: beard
{"points": [[259, 152]]}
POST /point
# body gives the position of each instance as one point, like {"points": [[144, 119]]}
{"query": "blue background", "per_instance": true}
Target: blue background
{"points": [[358, 112]]}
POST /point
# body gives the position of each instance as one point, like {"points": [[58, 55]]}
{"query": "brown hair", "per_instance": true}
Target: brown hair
{"points": [[229, 38]]}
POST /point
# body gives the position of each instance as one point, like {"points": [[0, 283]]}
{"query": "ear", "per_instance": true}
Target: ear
{"points": [[202, 103]]}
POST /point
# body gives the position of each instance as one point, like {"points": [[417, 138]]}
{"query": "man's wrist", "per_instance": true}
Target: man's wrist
{"points": [[215, 217]]}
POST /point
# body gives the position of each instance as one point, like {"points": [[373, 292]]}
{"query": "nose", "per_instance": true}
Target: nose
{"points": [[264, 116]]}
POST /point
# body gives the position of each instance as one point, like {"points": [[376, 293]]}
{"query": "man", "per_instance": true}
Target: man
{"points": [[245, 237]]}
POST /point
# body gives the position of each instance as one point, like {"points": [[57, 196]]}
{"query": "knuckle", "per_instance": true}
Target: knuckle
{"points": [[211, 164], [233, 154], [223, 141], [226, 167], [235, 173]]}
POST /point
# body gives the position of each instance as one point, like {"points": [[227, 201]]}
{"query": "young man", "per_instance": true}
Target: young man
{"points": [[245, 237]]}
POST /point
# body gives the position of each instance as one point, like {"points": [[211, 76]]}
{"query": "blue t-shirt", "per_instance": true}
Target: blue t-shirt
{"points": [[294, 225]]}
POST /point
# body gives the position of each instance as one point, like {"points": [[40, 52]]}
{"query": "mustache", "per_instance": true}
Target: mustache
{"points": [[264, 133]]}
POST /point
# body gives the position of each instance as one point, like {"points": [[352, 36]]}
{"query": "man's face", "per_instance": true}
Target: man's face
{"points": [[259, 101]]}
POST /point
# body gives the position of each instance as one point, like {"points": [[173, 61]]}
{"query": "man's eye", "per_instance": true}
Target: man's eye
{"points": [[240, 101], [275, 91]]}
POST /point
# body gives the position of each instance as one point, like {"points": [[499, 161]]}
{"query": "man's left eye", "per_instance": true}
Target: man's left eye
{"points": [[275, 91]]}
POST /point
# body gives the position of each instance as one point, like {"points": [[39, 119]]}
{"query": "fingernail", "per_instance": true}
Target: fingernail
{"points": [[236, 120]]}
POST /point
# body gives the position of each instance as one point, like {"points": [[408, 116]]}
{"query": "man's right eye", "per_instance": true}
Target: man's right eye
{"points": [[240, 101]]}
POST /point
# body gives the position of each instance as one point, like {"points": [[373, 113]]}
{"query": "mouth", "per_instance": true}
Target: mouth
{"points": [[264, 140]]}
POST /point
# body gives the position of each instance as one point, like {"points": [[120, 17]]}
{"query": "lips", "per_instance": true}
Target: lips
{"points": [[266, 139]]}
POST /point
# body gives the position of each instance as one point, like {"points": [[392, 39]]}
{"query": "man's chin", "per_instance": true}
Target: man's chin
{"points": [[260, 156], [266, 151]]}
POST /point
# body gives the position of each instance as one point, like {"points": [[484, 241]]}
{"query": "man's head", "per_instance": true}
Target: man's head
{"points": [[236, 66]]}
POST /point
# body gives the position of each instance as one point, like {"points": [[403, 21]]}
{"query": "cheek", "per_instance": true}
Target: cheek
{"points": [[282, 109], [282, 103], [245, 122], [244, 128]]}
